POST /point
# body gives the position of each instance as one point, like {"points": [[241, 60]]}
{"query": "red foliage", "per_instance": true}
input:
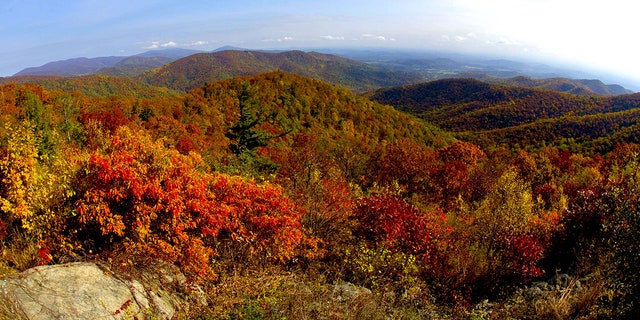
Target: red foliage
{"points": [[111, 119], [3, 230], [185, 145], [400, 226], [157, 202], [155, 199], [260, 217], [465, 152], [44, 254], [522, 253], [406, 163]]}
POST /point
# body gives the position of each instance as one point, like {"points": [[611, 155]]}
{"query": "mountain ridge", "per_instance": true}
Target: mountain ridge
{"points": [[85, 66], [196, 70]]}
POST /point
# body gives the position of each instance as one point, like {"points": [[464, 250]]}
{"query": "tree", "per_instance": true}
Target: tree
{"points": [[246, 134]]}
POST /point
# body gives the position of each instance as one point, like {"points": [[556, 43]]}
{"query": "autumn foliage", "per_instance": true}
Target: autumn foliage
{"points": [[284, 172], [158, 202]]}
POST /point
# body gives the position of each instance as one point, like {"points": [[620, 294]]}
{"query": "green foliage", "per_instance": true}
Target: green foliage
{"points": [[36, 113]]}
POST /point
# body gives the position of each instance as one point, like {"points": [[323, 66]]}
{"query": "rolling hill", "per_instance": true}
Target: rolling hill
{"points": [[94, 85], [491, 115], [135, 65], [315, 106], [584, 87], [196, 70]]}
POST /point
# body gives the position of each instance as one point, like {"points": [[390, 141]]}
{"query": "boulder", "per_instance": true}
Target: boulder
{"points": [[348, 291], [86, 290]]}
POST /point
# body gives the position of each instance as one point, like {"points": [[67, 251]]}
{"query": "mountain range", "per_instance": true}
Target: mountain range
{"points": [[120, 65], [183, 69]]}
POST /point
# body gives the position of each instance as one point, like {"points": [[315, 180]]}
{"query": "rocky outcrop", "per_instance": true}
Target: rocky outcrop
{"points": [[89, 291]]}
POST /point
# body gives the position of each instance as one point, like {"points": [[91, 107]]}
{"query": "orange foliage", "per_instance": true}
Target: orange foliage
{"points": [[157, 202], [260, 218]]}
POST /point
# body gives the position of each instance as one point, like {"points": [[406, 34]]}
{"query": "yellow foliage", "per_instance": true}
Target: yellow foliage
{"points": [[19, 175]]}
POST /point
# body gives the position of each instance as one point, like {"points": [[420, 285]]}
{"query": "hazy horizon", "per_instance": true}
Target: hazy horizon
{"points": [[594, 36]]}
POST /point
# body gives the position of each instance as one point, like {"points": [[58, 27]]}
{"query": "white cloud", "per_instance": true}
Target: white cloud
{"points": [[369, 36], [329, 37], [283, 39], [198, 43], [158, 44], [154, 45]]}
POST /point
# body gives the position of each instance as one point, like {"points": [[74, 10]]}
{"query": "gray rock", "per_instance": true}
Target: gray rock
{"points": [[563, 280], [348, 291], [534, 292], [541, 284], [86, 291]]}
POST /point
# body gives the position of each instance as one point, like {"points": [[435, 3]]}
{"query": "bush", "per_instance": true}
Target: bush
{"points": [[158, 203]]}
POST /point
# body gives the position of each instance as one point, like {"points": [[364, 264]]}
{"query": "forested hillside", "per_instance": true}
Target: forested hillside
{"points": [[583, 87], [498, 115], [94, 86], [196, 70], [272, 190]]}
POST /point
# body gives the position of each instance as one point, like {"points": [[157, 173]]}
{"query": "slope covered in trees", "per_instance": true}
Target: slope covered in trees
{"points": [[273, 190], [584, 87], [94, 85], [493, 115], [135, 65], [196, 70]]}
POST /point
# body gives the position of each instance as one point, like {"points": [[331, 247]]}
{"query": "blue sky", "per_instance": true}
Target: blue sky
{"points": [[595, 34]]}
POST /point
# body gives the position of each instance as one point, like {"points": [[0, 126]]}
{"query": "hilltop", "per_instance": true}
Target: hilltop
{"points": [[196, 70]]}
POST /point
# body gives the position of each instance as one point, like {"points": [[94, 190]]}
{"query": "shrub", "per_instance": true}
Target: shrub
{"points": [[156, 202]]}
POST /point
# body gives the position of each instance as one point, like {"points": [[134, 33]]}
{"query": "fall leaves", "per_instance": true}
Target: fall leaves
{"points": [[158, 201]]}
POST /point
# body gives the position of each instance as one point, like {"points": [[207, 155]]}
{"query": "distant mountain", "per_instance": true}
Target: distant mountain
{"points": [[71, 67], [227, 48], [434, 65], [116, 65], [491, 115], [135, 65], [584, 87], [196, 70], [174, 53]]}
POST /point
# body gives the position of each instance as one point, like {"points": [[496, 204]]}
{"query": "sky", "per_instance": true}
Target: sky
{"points": [[599, 35]]}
